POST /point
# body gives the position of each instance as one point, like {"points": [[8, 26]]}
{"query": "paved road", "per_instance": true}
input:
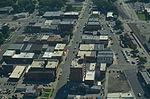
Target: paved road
{"points": [[73, 47], [134, 82]]}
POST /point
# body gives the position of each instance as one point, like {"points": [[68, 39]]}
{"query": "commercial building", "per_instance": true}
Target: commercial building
{"points": [[16, 47], [88, 56], [92, 26], [90, 77], [53, 15], [67, 25], [91, 47], [145, 77], [76, 71], [29, 91], [42, 69], [23, 58], [120, 95], [8, 54], [105, 57], [60, 47], [103, 67], [71, 15], [21, 15], [95, 14], [17, 72], [86, 39]]}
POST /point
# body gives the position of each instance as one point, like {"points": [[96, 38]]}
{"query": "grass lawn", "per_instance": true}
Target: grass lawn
{"points": [[52, 91], [45, 94], [141, 16], [46, 90]]}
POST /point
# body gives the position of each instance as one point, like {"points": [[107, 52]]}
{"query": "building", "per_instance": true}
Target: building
{"points": [[103, 67], [90, 77], [91, 47], [110, 16], [76, 71], [16, 47], [88, 56], [67, 25], [120, 95], [17, 72], [21, 15], [71, 15], [145, 77], [22, 58], [87, 39], [8, 54], [95, 14], [92, 26], [60, 47], [105, 57], [53, 15], [29, 91], [6, 10], [42, 69]]}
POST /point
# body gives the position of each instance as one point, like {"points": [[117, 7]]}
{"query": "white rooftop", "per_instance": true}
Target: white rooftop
{"points": [[9, 53], [90, 75], [103, 67], [92, 66], [87, 46], [23, 55], [60, 46], [17, 72], [120, 95], [110, 14]]}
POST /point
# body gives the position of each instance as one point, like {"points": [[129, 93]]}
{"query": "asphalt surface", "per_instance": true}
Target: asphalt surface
{"points": [[135, 84], [73, 48]]}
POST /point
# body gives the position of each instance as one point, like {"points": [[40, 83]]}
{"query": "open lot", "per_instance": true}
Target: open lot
{"points": [[117, 82]]}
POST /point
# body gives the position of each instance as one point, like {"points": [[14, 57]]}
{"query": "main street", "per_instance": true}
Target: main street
{"points": [[73, 47]]}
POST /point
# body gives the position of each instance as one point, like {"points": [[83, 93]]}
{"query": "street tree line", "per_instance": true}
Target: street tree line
{"points": [[4, 33]]}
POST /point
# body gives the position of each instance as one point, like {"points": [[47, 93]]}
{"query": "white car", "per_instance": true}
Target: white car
{"points": [[139, 94]]}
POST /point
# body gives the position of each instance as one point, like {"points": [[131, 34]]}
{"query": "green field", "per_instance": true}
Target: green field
{"points": [[45, 94], [141, 16]]}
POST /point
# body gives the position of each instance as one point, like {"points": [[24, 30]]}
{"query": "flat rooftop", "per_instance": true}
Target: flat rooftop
{"points": [[60, 46], [17, 72], [87, 53], [9, 53], [90, 75], [52, 64], [75, 64]]}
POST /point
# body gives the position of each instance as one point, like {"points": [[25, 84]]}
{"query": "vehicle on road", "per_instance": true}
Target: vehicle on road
{"points": [[139, 94]]}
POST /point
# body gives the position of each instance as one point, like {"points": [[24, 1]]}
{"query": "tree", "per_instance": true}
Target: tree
{"points": [[5, 31], [142, 60], [24, 6], [105, 6], [118, 25], [47, 5]]}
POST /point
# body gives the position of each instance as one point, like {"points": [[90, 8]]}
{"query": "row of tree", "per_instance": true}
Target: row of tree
{"points": [[45, 5], [105, 6], [4, 33]]}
